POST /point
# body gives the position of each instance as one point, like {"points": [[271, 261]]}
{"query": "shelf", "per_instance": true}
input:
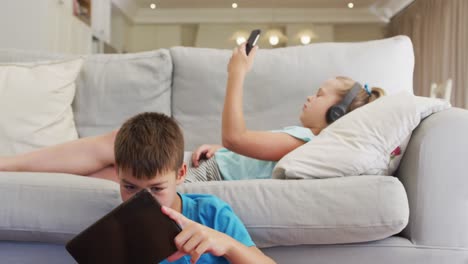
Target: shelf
{"points": [[82, 10]]}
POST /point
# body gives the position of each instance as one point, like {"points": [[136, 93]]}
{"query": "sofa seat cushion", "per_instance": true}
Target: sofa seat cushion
{"points": [[324, 211], [52, 207]]}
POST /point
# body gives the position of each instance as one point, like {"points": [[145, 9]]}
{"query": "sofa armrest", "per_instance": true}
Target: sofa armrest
{"points": [[434, 171]]}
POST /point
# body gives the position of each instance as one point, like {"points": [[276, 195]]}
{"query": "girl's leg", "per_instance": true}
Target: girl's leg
{"points": [[84, 156], [108, 173], [207, 170]]}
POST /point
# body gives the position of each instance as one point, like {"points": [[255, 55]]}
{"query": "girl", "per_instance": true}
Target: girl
{"points": [[245, 154], [248, 154]]}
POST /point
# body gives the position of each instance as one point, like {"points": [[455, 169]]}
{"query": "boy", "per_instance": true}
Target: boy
{"points": [[149, 150]]}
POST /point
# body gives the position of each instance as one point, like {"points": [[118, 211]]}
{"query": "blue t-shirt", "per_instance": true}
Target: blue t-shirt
{"points": [[212, 212], [237, 167]]}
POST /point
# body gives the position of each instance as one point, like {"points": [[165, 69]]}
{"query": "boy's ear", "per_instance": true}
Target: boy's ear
{"points": [[181, 173]]}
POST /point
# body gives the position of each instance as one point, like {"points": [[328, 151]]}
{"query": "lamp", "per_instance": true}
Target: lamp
{"points": [[240, 40], [305, 36], [239, 37]]}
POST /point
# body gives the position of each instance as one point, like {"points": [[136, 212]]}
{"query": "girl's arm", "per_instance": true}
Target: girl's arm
{"points": [[262, 145]]}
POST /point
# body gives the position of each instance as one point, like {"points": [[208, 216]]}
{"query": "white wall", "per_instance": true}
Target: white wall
{"points": [[359, 32], [318, 32], [45, 25], [120, 30], [150, 37], [210, 35]]}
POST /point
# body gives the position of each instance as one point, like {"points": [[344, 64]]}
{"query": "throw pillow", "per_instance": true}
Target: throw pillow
{"points": [[370, 140], [35, 105]]}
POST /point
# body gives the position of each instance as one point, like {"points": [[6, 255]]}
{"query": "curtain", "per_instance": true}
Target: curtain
{"points": [[439, 32]]}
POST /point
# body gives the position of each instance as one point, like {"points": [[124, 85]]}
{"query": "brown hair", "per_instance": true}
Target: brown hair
{"points": [[362, 98], [149, 144]]}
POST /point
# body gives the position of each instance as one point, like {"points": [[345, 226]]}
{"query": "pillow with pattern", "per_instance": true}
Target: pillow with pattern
{"points": [[370, 140]]}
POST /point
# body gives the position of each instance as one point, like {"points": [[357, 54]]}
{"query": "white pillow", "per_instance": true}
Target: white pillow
{"points": [[35, 105], [370, 140]]}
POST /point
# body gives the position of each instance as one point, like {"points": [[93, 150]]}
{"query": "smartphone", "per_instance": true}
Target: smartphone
{"points": [[252, 41], [137, 231]]}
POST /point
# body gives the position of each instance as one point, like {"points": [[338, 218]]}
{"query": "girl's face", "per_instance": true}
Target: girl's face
{"points": [[315, 109]]}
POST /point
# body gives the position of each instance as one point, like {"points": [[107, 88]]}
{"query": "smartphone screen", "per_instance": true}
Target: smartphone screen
{"points": [[252, 41]]}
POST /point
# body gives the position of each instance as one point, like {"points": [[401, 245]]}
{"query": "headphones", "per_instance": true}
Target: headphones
{"points": [[340, 109]]}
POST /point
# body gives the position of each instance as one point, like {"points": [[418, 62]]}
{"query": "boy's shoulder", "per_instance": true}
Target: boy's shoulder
{"points": [[204, 207], [202, 200]]}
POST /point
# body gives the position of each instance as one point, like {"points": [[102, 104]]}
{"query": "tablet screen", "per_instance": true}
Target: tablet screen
{"points": [[137, 231]]}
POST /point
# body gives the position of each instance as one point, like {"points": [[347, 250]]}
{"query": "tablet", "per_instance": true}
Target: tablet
{"points": [[137, 231]]}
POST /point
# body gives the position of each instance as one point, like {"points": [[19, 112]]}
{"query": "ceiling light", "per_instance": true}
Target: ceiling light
{"points": [[240, 40], [350, 5], [234, 5], [274, 40], [153, 6], [305, 39]]}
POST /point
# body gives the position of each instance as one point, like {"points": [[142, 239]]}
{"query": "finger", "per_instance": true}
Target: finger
{"points": [[210, 153], [197, 155], [177, 255], [181, 220], [190, 246], [242, 48], [253, 51], [202, 248], [194, 159]]}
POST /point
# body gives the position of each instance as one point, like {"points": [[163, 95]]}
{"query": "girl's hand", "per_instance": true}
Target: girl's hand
{"points": [[204, 151], [196, 239], [240, 63]]}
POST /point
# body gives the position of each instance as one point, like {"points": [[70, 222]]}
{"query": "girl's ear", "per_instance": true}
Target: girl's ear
{"points": [[181, 173]]}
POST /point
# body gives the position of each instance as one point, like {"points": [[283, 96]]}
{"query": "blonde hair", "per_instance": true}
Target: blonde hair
{"points": [[362, 98]]}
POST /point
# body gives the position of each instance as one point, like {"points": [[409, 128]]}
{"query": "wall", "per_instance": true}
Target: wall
{"points": [[120, 30], [149, 37], [209, 35], [46, 25], [359, 32]]}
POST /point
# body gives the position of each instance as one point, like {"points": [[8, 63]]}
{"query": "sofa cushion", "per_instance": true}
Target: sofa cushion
{"points": [[280, 80], [114, 87], [52, 207], [369, 140], [35, 105], [325, 211]]}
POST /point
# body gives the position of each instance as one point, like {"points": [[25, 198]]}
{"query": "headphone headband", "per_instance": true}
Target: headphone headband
{"points": [[349, 97], [341, 108]]}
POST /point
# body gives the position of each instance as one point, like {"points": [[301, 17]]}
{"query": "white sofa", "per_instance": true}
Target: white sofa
{"points": [[419, 215]]}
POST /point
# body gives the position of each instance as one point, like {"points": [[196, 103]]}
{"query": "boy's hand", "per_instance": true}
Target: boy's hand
{"points": [[240, 63], [196, 239], [204, 151]]}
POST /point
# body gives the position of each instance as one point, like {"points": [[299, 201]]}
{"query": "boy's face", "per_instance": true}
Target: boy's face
{"points": [[162, 186]]}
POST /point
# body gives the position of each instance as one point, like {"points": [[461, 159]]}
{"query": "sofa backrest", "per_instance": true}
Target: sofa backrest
{"points": [[190, 83], [277, 86], [113, 87]]}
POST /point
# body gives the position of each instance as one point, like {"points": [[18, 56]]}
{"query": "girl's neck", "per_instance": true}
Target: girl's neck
{"points": [[315, 130]]}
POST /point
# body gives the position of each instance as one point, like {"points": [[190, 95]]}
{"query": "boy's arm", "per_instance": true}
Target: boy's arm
{"points": [[196, 239], [239, 253], [262, 145]]}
